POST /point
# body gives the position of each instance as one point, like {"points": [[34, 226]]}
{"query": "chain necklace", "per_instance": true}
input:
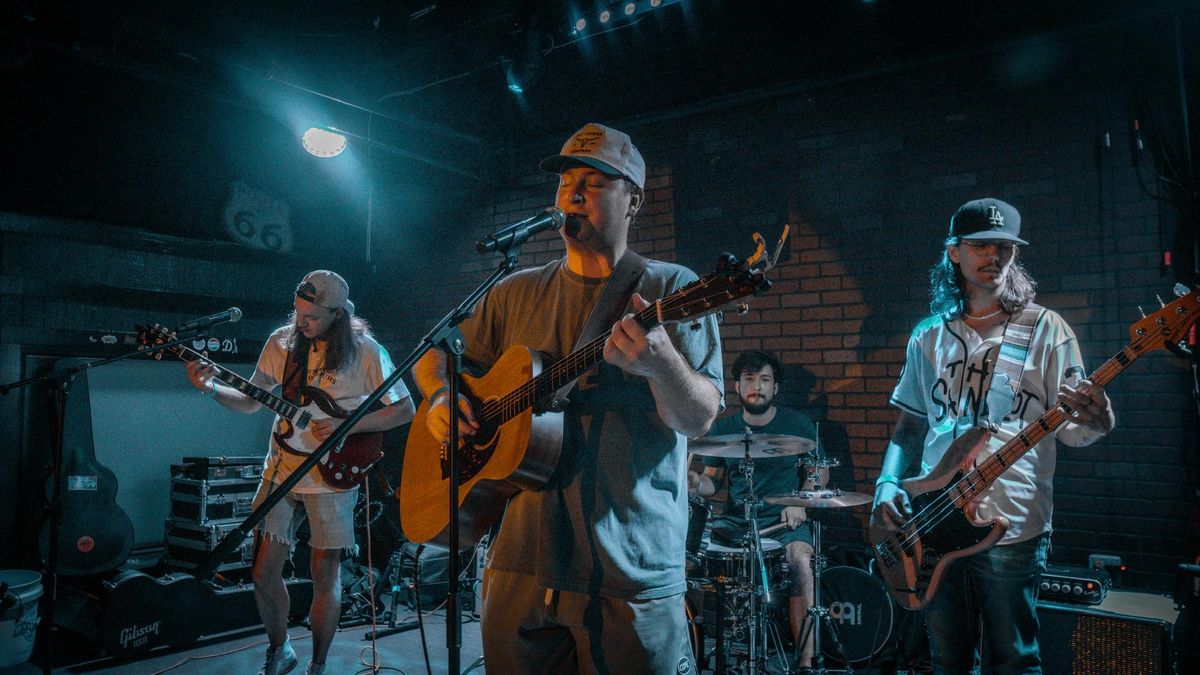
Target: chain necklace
{"points": [[985, 316]]}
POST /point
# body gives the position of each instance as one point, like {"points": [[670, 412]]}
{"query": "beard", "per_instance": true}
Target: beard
{"points": [[763, 405]]}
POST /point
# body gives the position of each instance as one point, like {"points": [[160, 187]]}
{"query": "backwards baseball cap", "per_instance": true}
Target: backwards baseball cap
{"points": [[602, 148], [987, 219], [326, 289]]}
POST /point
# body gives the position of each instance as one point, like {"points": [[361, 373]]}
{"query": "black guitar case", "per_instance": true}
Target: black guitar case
{"points": [[95, 534]]}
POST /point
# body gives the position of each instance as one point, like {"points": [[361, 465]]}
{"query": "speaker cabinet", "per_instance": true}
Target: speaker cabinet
{"points": [[1127, 634]]}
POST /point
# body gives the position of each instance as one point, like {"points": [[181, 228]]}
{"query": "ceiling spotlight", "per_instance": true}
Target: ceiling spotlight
{"points": [[605, 16], [655, 3], [630, 8], [580, 25], [323, 142]]}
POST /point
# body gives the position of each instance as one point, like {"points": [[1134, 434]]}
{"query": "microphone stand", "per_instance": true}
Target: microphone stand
{"points": [[63, 379], [444, 335]]}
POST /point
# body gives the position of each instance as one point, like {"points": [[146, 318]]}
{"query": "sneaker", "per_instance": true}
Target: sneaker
{"points": [[314, 668], [280, 660]]}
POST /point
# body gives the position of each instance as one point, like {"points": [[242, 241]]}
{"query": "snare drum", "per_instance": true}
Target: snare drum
{"points": [[698, 524], [728, 561]]}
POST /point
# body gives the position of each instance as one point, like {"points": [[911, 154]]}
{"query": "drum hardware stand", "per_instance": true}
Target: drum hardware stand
{"points": [[759, 596], [818, 612]]}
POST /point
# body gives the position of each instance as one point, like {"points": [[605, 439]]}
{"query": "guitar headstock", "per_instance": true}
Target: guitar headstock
{"points": [[1171, 323], [732, 280], [152, 336]]}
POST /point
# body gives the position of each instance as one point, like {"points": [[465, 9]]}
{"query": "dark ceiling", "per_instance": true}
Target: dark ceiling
{"points": [[111, 92]]}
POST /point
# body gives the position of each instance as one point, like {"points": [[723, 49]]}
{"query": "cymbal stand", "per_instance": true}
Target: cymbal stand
{"points": [[752, 547], [818, 612]]}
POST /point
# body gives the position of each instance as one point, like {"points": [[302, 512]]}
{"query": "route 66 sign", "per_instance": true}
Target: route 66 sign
{"points": [[255, 218]]}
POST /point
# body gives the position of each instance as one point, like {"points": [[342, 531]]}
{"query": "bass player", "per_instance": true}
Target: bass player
{"points": [[327, 347], [587, 575], [950, 384]]}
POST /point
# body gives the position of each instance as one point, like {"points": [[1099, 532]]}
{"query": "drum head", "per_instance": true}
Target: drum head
{"points": [[859, 609], [721, 552]]}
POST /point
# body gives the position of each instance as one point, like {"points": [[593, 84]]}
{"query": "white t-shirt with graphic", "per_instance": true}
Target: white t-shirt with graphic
{"points": [[947, 373], [348, 387]]}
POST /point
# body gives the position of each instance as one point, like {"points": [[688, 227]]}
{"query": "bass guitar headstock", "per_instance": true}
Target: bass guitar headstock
{"points": [[1166, 327]]}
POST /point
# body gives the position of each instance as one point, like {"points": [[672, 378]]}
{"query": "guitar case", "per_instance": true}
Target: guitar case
{"points": [[95, 534]]}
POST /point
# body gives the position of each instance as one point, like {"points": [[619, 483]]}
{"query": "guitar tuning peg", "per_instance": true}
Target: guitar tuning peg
{"points": [[743, 308], [1180, 290], [1141, 311]]}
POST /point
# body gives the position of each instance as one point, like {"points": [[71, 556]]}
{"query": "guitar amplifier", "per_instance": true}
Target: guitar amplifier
{"points": [[203, 501], [1073, 584]]}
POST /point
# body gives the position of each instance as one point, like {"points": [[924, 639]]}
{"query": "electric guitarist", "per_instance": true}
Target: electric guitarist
{"points": [[327, 347], [587, 574], [988, 357]]}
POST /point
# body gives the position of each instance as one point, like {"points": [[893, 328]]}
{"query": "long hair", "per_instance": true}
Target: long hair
{"points": [[948, 299], [342, 339]]}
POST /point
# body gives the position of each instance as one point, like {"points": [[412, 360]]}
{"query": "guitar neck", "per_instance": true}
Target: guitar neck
{"points": [[560, 374], [278, 405], [990, 469]]}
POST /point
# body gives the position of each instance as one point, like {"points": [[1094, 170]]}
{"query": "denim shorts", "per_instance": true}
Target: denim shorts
{"points": [[330, 517]]}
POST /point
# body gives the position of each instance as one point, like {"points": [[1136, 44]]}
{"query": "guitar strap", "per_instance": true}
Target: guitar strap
{"points": [[294, 375], [613, 298], [1010, 362]]}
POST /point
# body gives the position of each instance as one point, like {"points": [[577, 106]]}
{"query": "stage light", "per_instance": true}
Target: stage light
{"points": [[655, 3], [580, 25], [323, 142], [605, 16], [630, 8]]}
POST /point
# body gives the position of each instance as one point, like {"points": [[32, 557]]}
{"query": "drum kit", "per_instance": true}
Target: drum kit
{"points": [[744, 578]]}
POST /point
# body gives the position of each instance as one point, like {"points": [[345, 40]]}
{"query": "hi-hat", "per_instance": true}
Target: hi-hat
{"points": [[761, 445], [820, 499]]}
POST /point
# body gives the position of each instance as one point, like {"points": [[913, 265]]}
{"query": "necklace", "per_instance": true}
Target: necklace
{"points": [[985, 316]]}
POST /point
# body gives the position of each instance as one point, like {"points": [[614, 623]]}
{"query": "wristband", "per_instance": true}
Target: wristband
{"points": [[210, 388], [887, 478], [436, 393]]}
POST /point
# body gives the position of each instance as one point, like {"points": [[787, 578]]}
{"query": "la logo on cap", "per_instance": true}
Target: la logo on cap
{"points": [[995, 217]]}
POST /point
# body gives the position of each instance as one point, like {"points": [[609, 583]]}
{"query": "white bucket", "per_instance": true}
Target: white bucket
{"points": [[19, 622]]}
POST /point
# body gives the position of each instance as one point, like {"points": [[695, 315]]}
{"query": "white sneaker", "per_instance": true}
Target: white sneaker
{"points": [[314, 669], [280, 660]]}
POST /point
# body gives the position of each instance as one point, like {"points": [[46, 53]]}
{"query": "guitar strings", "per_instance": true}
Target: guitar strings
{"points": [[505, 407], [946, 505]]}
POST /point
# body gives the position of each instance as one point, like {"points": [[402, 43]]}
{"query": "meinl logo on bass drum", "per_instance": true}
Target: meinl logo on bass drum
{"points": [[846, 613], [136, 636]]}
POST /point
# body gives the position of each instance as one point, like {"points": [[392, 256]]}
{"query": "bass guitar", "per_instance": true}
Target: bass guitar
{"points": [[343, 467], [945, 525], [518, 443]]}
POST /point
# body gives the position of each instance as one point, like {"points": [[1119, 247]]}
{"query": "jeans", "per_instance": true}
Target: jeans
{"points": [[992, 594]]}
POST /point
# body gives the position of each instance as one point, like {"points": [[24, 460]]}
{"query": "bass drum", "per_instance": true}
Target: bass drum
{"points": [[860, 610]]}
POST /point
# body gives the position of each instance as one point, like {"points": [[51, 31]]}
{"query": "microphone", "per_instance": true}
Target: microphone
{"points": [[518, 233], [231, 315]]}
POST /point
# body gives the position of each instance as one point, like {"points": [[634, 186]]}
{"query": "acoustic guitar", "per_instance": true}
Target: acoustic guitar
{"points": [[519, 440], [945, 525], [343, 467]]}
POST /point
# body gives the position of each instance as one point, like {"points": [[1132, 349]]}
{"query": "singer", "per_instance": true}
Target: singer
{"points": [[588, 574], [325, 347]]}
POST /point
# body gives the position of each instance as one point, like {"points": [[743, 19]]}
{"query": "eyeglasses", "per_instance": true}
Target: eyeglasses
{"points": [[1004, 247]]}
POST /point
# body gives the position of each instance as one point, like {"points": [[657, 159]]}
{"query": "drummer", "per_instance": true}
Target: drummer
{"points": [[757, 377]]}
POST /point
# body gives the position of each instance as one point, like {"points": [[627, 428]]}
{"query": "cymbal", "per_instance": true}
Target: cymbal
{"points": [[822, 499], [762, 446]]}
